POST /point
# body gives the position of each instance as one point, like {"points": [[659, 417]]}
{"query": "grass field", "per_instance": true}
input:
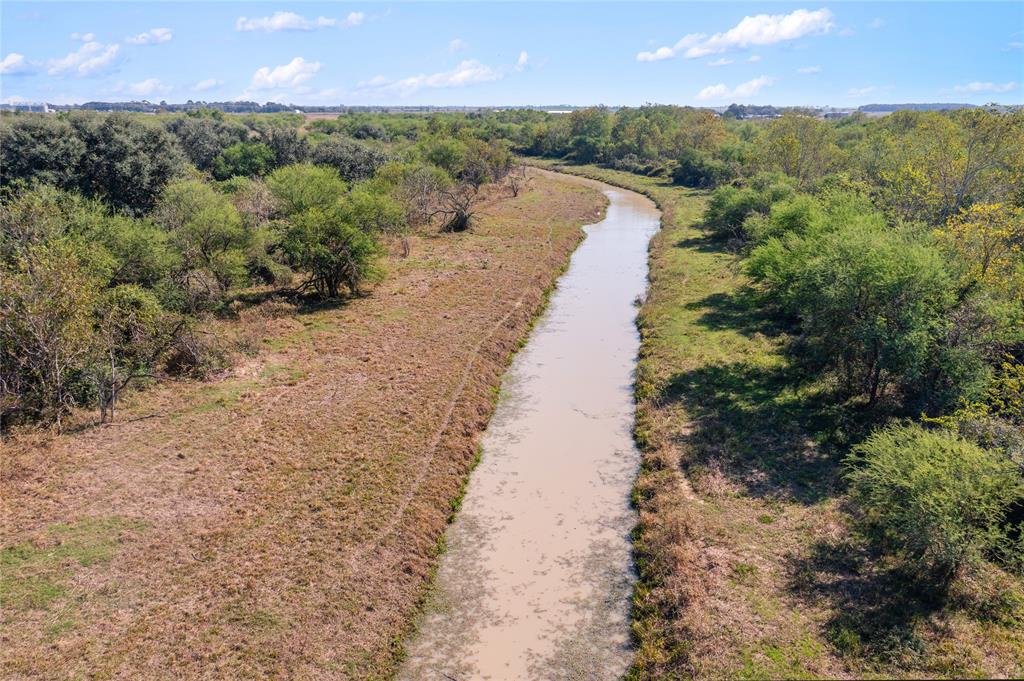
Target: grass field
{"points": [[283, 520], [748, 568]]}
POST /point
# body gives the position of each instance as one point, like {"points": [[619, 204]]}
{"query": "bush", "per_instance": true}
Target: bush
{"points": [[932, 498], [331, 249], [245, 159], [352, 160], [699, 171], [730, 206]]}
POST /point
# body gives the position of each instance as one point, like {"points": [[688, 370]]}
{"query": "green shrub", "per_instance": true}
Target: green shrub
{"points": [[245, 159], [700, 171], [730, 206], [932, 498]]}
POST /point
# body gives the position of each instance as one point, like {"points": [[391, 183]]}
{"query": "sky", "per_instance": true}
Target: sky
{"points": [[841, 54]]}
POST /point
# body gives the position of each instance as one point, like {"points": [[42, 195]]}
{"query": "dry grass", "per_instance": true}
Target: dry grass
{"points": [[748, 568], [282, 521]]}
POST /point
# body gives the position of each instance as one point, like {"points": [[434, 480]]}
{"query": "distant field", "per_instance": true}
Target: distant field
{"points": [[748, 567], [283, 520]]}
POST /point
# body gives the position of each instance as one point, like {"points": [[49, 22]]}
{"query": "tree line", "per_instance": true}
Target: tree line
{"points": [[122, 235]]}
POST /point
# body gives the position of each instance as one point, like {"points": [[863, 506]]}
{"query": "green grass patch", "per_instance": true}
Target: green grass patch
{"points": [[34, 575]]}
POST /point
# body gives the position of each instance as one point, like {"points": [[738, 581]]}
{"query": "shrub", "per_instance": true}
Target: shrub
{"points": [[698, 170], [243, 158], [730, 206], [352, 160], [335, 252], [932, 498]]}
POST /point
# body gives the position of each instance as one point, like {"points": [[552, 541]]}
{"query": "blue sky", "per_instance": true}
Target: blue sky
{"points": [[703, 53]]}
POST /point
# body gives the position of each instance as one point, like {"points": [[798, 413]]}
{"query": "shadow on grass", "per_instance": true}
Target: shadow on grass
{"points": [[759, 422], [875, 610], [740, 311]]}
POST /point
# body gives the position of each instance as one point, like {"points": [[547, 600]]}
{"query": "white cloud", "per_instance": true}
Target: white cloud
{"points": [[523, 60], [289, 75], [207, 84], [457, 45], [741, 91], [13, 63], [876, 23], [861, 91], [809, 69], [720, 62], [89, 58], [987, 87], [754, 57], [14, 99], [150, 37], [468, 72], [720, 91], [147, 87], [1016, 45], [84, 37], [290, 21], [762, 29]]}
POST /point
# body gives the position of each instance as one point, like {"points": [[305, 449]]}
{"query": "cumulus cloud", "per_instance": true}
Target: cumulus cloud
{"points": [[720, 62], [207, 84], [468, 72], [457, 45], [147, 87], [90, 58], [84, 37], [150, 37], [523, 60], [13, 63], [809, 69], [977, 86], [762, 29], [286, 76], [754, 57], [741, 91], [290, 21]]}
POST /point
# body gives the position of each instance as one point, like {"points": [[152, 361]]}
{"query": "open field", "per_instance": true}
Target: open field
{"points": [[748, 568], [284, 519]]}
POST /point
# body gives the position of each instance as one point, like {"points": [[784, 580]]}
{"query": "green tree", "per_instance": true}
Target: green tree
{"points": [[43, 149], [335, 253], [246, 159], [126, 163]]}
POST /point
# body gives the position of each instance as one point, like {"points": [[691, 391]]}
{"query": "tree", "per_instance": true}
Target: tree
{"points": [[802, 147], [42, 149], [334, 252], [46, 329], [989, 238], [353, 161], [876, 308], [131, 333], [302, 187], [203, 138], [246, 159], [126, 163], [206, 230], [590, 134], [288, 146]]}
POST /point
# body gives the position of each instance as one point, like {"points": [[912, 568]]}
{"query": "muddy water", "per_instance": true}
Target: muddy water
{"points": [[537, 577]]}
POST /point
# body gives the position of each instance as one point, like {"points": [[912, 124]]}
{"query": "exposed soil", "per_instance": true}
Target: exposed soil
{"points": [[284, 520]]}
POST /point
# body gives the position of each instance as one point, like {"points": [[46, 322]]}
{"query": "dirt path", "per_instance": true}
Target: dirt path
{"points": [[281, 521], [536, 580]]}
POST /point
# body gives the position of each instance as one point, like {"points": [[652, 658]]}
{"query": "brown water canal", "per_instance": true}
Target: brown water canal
{"points": [[537, 577]]}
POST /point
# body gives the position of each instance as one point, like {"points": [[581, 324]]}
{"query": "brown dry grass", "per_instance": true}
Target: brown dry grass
{"points": [[284, 520]]}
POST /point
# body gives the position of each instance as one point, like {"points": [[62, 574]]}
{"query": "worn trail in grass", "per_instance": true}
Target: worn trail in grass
{"points": [[284, 520], [537, 577]]}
